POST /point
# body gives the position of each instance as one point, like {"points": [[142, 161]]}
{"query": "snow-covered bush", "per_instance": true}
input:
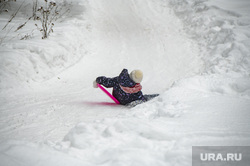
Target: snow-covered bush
{"points": [[48, 14], [24, 57]]}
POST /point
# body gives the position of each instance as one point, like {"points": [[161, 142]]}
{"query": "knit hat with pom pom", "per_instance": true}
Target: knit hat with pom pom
{"points": [[136, 76]]}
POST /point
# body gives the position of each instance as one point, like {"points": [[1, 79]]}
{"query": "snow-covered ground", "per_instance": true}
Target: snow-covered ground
{"points": [[195, 53]]}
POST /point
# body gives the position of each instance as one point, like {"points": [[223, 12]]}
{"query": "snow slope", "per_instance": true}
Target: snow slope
{"points": [[194, 53]]}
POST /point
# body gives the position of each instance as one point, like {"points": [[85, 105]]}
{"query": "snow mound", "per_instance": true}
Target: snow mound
{"points": [[222, 30], [35, 60]]}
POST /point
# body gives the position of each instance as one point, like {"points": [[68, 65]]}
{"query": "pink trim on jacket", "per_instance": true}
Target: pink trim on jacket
{"points": [[133, 89]]}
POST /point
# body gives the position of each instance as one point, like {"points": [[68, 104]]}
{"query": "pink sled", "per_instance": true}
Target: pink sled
{"points": [[111, 96]]}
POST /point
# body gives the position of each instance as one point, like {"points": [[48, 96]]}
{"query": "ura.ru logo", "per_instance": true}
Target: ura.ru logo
{"points": [[220, 157]]}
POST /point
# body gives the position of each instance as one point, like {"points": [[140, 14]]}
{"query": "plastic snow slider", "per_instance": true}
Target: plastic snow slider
{"points": [[111, 96]]}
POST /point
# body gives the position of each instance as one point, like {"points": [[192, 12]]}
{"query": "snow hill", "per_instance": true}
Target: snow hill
{"points": [[195, 53]]}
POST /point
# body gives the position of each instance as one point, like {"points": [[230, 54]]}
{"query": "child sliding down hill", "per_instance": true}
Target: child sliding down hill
{"points": [[126, 87]]}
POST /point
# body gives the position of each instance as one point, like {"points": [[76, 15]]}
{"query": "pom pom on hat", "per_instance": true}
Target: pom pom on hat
{"points": [[136, 76]]}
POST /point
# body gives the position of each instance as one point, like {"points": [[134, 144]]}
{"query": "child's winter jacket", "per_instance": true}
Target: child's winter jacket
{"points": [[123, 81]]}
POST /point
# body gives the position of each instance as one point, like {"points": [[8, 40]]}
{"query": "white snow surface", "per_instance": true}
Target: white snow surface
{"points": [[194, 53]]}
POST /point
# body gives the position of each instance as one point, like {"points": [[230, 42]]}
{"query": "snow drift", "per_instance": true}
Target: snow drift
{"points": [[31, 60]]}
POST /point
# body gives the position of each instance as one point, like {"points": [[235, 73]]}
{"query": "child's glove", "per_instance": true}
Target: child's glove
{"points": [[95, 84]]}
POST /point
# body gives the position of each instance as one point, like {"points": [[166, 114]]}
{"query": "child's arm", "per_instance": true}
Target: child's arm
{"points": [[107, 82]]}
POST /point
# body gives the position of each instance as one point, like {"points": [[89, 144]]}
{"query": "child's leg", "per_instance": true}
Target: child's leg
{"points": [[134, 103], [149, 97]]}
